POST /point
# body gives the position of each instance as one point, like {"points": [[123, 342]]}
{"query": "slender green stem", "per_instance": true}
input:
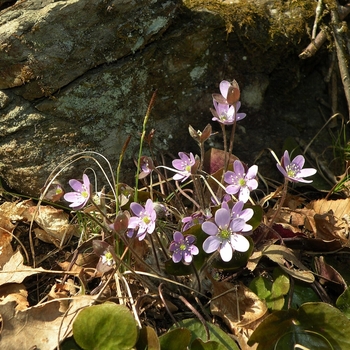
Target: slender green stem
{"points": [[150, 105]]}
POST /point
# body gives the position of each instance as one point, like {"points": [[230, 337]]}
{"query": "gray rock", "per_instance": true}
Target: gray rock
{"points": [[78, 75]]}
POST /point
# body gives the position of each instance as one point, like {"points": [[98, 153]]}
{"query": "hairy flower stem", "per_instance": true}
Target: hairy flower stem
{"points": [[198, 191], [150, 105], [226, 160], [280, 204], [232, 137], [126, 143], [197, 276]]}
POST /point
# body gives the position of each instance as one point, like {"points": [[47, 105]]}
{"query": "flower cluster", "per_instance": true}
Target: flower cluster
{"points": [[228, 229]]}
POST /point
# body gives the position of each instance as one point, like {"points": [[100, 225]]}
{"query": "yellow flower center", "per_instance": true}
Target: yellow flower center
{"points": [[146, 220], [225, 234]]}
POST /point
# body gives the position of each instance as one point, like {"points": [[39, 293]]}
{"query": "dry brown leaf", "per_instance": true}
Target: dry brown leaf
{"points": [[332, 219], [297, 220], [6, 250], [39, 327], [284, 257], [14, 271], [237, 305], [14, 292], [54, 223]]}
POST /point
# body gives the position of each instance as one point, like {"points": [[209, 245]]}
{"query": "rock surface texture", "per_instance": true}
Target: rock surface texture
{"points": [[78, 75]]}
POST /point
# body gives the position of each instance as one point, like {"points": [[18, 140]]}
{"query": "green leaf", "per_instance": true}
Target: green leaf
{"points": [[199, 344], [175, 339], [343, 302], [106, 326], [272, 292], [261, 286], [148, 339], [314, 325], [303, 293], [216, 334], [279, 289]]}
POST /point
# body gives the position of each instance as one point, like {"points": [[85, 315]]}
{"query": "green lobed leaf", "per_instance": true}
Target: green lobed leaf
{"points": [[148, 339], [343, 302], [216, 334], [261, 286], [106, 326], [199, 344], [175, 339], [314, 325], [303, 293]]}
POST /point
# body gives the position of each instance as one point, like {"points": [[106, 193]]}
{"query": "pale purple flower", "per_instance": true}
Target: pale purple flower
{"points": [[241, 181], [225, 235], [195, 219], [107, 258], [226, 114], [106, 253], [223, 113], [184, 166], [144, 221], [237, 211], [293, 170], [230, 93], [183, 248], [146, 165], [81, 195]]}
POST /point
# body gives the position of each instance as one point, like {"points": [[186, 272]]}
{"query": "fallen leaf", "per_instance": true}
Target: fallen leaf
{"points": [[332, 219], [14, 271], [237, 305], [14, 292], [283, 255], [39, 327], [54, 223]]}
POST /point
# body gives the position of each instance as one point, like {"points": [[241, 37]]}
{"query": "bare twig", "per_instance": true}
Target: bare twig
{"points": [[340, 45], [321, 37], [317, 17]]}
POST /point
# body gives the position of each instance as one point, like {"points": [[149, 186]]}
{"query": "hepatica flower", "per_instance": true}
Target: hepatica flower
{"points": [[81, 195], [183, 248], [226, 114], [144, 221], [293, 170], [224, 235], [237, 211], [241, 181], [223, 113], [184, 166]]}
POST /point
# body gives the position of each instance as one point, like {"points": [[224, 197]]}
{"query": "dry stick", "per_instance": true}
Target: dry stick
{"points": [[339, 28], [317, 17], [321, 37]]}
